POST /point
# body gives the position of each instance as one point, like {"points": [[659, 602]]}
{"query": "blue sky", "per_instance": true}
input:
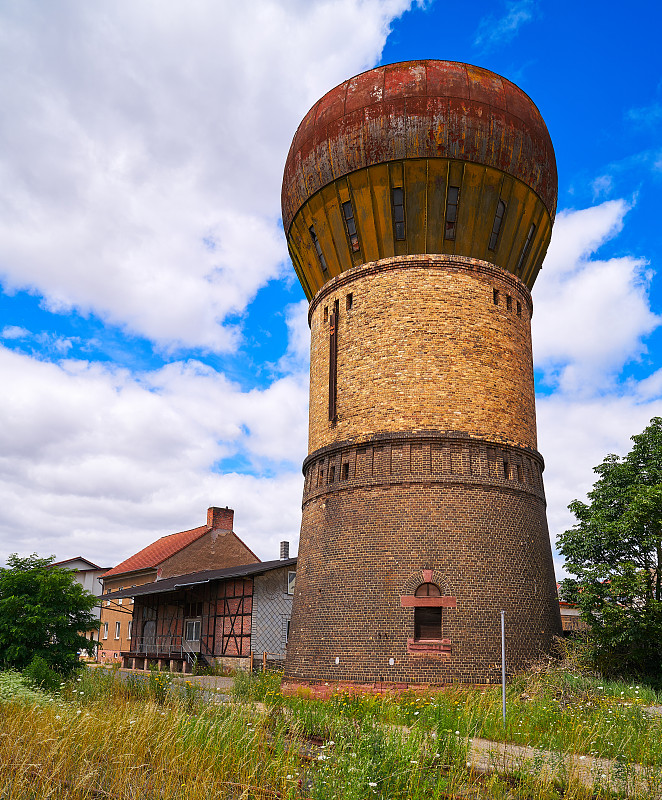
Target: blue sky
{"points": [[153, 340]]}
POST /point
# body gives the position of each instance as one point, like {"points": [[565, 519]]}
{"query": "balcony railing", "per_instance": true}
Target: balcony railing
{"points": [[172, 646]]}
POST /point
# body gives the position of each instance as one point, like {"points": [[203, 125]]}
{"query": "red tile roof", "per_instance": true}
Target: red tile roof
{"points": [[154, 554]]}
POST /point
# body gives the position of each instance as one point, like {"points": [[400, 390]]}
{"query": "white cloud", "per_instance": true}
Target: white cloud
{"points": [[98, 462], [646, 115], [14, 332], [493, 31], [142, 147], [590, 315], [602, 186], [575, 435]]}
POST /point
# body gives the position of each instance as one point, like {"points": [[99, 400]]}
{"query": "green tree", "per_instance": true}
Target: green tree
{"points": [[42, 610], [615, 553]]}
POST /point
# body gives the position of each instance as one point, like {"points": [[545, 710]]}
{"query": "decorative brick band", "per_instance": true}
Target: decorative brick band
{"points": [[446, 263], [422, 458]]}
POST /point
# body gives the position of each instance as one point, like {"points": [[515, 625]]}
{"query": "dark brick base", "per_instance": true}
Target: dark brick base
{"points": [[365, 542]]}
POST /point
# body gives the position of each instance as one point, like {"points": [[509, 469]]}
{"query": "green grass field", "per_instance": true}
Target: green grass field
{"points": [[100, 736]]}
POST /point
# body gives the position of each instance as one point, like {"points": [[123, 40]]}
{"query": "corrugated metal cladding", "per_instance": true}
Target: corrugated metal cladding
{"points": [[420, 109], [425, 126]]}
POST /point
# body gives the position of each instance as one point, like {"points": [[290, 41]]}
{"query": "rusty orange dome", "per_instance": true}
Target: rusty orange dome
{"points": [[432, 132], [420, 109]]}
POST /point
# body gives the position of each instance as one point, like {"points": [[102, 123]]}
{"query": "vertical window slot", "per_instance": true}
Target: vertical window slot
{"points": [[496, 225], [333, 360], [495, 296], [526, 248], [318, 248], [519, 309], [452, 202], [349, 301], [509, 302], [350, 224], [332, 473], [344, 471], [398, 203], [326, 313]]}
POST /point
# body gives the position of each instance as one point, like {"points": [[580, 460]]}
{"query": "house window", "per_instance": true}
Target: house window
{"points": [[427, 621], [318, 248], [117, 630], [452, 201], [193, 609], [105, 630], [291, 580], [496, 225], [119, 602], [128, 634], [192, 630], [398, 202], [350, 224]]}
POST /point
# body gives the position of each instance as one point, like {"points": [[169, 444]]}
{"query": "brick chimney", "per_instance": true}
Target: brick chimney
{"points": [[284, 550], [220, 518]]}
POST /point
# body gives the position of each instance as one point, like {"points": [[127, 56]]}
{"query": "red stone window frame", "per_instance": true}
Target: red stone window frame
{"points": [[428, 595]]}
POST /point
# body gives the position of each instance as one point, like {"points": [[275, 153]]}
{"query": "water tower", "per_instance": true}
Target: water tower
{"points": [[418, 202]]}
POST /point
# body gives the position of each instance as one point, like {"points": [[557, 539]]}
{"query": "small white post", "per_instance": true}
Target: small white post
{"points": [[503, 665]]}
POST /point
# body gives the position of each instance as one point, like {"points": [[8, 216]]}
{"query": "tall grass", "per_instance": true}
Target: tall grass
{"points": [[104, 736]]}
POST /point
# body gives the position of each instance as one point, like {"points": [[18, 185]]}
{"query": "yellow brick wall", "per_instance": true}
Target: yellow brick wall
{"points": [[112, 612], [425, 348]]}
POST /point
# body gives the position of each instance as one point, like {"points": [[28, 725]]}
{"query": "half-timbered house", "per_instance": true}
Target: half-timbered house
{"points": [[211, 616]]}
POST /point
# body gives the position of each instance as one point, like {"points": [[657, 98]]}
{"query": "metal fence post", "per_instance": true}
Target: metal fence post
{"points": [[503, 665]]}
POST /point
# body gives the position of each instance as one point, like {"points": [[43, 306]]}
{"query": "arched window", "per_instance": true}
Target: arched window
{"points": [[428, 590], [427, 619]]}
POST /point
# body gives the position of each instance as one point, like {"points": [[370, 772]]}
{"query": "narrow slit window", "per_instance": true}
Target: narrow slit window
{"points": [[398, 201], [495, 296], [506, 470], [326, 313], [496, 225], [509, 302], [519, 309], [526, 248], [318, 248], [350, 224], [349, 302], [519, 473], [452, 201], [344, 472], [332, 473]]}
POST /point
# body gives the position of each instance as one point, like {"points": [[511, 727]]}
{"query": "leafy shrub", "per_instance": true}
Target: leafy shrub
{"points": [[41, 675]]}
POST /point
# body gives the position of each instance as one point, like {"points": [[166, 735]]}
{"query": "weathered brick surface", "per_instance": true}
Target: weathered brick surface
{"points": [[424, 347], [216, 549], [431, 465], [362, 548]]}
